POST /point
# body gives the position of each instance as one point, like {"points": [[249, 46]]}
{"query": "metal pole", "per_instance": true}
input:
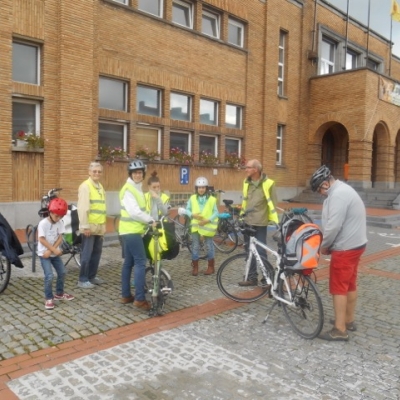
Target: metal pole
{"points": [[369, 15], [391, 46], [347, 35]]}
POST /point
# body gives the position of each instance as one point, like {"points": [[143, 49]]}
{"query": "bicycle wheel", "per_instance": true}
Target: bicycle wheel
{"points": [[31, 237], [164, 288], [225, 239], [306, 314], [179, 222], [232, 271], [5, 273]]}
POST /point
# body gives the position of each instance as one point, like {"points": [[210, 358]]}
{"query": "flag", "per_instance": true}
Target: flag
{"points": [[395, 12]]}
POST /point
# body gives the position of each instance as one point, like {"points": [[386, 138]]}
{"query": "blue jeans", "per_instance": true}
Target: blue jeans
{"points": [[261, 235], [92, 247], [48, 276], [196, 246], [135, 255]]}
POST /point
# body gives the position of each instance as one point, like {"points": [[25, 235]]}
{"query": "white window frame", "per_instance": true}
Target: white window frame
{"points": [[351, 57], [281, 62], [124, 133], [125, 93], [279, 144], [239, 153], [126, 2], [216, 18], [189, 7], [189, 105], [215, 152], [239, 25], [38, 58], [37, 114], [159, 100], [327, 66], [238, 109], [188, 134], [216, 111], [160, 6]]}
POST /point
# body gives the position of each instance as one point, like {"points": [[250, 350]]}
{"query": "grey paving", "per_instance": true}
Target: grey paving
{"points": [[227, 356]]}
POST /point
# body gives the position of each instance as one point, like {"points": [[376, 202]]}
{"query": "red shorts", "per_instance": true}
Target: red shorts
{"points": [[343, 271]]}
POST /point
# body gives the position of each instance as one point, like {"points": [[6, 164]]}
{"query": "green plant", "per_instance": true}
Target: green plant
{"points": [[234, 160], [181, 156], [110, 154], [144, 152], [34, 141], [208, 158]]}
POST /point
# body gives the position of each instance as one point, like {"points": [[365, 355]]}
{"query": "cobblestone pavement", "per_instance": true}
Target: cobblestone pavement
{"points": [[230, 355]]}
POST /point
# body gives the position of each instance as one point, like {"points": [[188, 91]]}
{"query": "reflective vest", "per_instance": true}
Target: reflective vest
{"points": [[126, 223], [97, 200], [266, 185], [210, 228], [147, 197]]}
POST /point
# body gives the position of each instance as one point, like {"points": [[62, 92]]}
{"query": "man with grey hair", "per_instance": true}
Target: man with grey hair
{"points": [[92, 225]]}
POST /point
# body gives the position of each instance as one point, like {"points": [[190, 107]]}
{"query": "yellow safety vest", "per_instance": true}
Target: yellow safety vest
{"points": [[126, 223], [97, 199], [211, 227], [147, 197], [266, 185]]}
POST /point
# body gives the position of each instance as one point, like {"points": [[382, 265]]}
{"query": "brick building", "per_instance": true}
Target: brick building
{"points": [[275, 80]]}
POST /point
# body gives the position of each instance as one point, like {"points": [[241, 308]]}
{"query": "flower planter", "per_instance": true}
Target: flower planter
{"points": [[21, 143]]}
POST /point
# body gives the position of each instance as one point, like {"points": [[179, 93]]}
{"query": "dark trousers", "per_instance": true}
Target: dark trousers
{"points": [[261, 235], [92, 247]]}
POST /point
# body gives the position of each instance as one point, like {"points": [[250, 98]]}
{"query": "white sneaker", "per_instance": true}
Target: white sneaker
{"points": [[85, 285], [97, 281]]}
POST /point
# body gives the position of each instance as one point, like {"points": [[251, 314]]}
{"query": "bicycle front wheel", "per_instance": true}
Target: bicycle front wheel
{"points": [[305, 313], [5, 273], [231, 275], [226, 238], [31, 237]]}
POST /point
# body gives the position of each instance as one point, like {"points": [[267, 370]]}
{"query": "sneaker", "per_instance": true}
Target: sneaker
{"points": [[334, 335], [350, 326], [126, 300], [64, 296], [252, 282], [96, 281], [144, 305], [86, 285], [49, 305]]}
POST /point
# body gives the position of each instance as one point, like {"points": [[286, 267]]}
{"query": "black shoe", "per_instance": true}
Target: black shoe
{"points": [[252, 282], [350, 326], [334, 335]]}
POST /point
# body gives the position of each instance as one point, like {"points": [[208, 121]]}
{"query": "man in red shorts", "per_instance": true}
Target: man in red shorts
{"points": [[344, 225]]}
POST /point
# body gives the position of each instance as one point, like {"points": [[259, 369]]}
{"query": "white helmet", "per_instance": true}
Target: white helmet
{"points": [[201, 181]]}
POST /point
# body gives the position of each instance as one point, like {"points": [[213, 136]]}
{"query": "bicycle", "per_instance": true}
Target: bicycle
{"points": [[299, 213], [158, 282], [72, 248], [292, 289], [234, 219], [5, 273]]}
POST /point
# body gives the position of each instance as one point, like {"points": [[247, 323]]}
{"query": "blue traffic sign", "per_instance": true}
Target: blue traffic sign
{"points": [[184, 177]]}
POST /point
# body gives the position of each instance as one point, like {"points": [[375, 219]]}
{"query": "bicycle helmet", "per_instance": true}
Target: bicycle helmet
{"points": [[321, 174], [58, 206], [135, 165], [201, 181]]}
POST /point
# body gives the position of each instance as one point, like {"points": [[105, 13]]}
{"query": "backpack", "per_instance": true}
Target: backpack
{"points": [[301, 243]]}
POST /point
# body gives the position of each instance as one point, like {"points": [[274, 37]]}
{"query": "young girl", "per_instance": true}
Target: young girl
{"points": [[50, 232], [202, 209], [157, 203]]}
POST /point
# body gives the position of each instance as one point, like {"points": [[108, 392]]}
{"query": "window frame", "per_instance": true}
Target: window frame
{"points": [[124, 2], [217, 18], [189, 105], [215, 152], [38, 60], [125, 93], [216, 111], [189, 6], [159, 99], [325, 62], [281, 62], [37, 105], [189, 141], [124, 133], [238, 108], [160, 6], [354, 59], [280, 130], [241, 26], [153, 128], [239, 152]]}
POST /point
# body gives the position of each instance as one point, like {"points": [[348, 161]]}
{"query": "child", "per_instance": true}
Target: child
{"points": [[50, 232], [202, 209]]}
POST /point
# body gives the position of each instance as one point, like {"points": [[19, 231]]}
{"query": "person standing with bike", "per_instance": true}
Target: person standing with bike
{"points": [[260, 199], [92, 226], [344, 226], [132, 226], [203, 211]]}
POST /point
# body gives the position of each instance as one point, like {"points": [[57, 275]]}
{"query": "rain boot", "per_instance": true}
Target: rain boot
{"points": [[210, 270], [195, 267]]}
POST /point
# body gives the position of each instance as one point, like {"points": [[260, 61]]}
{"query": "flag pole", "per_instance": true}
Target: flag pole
{"points": [[391, 46], [369, 17], [347, 35]]}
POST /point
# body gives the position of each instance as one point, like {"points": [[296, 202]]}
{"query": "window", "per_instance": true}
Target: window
{"points": [[151, 6], [182, 13], [279, 146], [235, 32], [148, 101], [180, 140], [113, 135], [371, 64], [208, 145], [351, 59], [148, 137], [210, 24], [113, 94], [181, 108], [208, 112], [327, 56], [233, 116], [281, 63], [233, 146], [25, 117], [126, 2], [26, 63]]}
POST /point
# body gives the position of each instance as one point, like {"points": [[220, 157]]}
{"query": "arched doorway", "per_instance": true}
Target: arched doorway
{"points": [[382, 166], [397, 162]]}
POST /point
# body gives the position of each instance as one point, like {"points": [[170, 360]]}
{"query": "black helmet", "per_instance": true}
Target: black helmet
{"points": [[321, 174], [135, 165]]}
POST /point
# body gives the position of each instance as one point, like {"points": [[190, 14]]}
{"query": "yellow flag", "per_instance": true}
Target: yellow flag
{"points": [[395, 12]]}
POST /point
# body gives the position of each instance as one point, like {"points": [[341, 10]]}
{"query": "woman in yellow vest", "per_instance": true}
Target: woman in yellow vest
{"points": [[202, 209], [133, 224], [157, 203]]}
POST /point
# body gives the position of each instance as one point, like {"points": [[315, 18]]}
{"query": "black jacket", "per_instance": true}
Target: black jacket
{"points": [[10, 246]]}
